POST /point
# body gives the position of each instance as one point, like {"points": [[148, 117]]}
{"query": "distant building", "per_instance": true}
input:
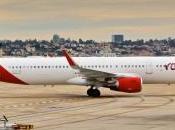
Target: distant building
{"points": [[1, 52], [117, 38], [105, 47], [56, 39]]}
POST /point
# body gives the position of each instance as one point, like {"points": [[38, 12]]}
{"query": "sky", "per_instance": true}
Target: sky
{"points": [[87, 19]]}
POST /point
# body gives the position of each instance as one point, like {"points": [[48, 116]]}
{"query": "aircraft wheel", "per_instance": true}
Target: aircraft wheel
{"points": [[93, 92]]}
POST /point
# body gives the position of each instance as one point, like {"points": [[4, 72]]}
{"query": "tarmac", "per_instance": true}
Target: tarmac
{"points": [[69, 108]]}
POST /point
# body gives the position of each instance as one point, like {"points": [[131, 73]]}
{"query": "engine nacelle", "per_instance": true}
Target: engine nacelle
{"points": [[128, 85]]}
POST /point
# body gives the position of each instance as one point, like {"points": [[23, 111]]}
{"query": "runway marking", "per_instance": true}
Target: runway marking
{"points": [[58, 110], [27, 104], [84, 108], [170, 100]]}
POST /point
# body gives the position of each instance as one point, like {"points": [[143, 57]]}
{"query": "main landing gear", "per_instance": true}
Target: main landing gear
{"points": [[93, 92]]}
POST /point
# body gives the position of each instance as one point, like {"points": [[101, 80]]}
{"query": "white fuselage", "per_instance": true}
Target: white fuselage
{"points": [[46, 70]]}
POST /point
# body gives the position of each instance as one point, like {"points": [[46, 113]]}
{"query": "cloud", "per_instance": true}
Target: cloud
{"points": [[89, 9], [46, 16]]}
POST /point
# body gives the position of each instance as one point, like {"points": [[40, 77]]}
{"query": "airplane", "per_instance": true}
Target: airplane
{"points": [[123, 74]]}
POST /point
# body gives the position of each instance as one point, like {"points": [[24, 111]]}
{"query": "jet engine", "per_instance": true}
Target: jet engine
{"points": [[128, 85]]}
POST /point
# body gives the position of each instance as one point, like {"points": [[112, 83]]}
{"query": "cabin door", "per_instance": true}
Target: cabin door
{"points": [[149, 68]]}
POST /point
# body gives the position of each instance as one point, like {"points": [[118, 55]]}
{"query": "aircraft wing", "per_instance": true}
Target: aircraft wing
{"points": [[123, 82], [90, 74]]}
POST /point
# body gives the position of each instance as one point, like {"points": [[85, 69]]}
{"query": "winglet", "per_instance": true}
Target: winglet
{"points": [[69, 59]]}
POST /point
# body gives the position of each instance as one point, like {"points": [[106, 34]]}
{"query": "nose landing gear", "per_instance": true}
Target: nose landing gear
{"points": [[93, 92]]}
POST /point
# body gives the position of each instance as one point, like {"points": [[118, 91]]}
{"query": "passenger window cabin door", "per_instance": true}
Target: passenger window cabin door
{"points": [[149, 68]]}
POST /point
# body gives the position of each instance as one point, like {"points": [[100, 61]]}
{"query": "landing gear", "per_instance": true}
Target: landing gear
{"points": [[93, 92]]}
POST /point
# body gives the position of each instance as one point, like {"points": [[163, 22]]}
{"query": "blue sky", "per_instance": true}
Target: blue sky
{"points": [[87, 19]]}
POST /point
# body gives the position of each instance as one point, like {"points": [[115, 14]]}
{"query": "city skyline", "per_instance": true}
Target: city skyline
{"points": [[98, 20]]}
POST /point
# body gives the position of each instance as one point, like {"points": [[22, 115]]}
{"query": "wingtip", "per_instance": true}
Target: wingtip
{"points": [[69, 58], [64, 51]]}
